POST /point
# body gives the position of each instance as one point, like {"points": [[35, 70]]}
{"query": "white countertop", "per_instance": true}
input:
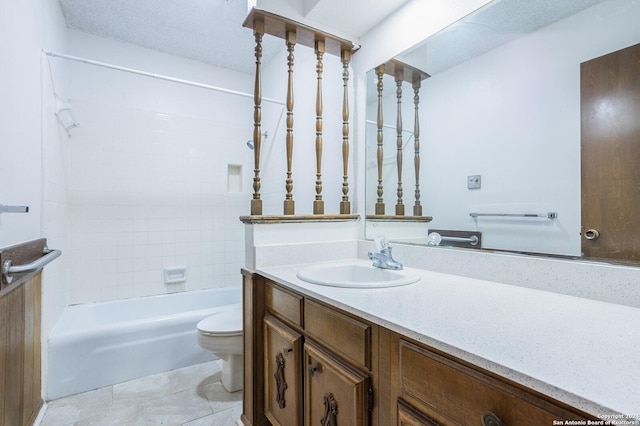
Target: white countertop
{"points": [[583, 352]]}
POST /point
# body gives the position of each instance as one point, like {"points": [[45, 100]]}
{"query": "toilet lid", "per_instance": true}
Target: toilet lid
{"points": [[226, 323]]}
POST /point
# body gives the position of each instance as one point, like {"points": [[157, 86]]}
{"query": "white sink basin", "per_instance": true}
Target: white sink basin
{"points": [[356, 274]]}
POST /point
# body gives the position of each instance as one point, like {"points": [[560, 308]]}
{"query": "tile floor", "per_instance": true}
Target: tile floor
{"points": [[190, 396]]}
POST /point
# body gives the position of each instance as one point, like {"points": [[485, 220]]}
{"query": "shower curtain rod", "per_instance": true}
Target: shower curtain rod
{"points": [[157, 76]]}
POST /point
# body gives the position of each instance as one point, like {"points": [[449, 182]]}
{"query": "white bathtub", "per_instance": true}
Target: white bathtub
{"points": [[100, 344]]}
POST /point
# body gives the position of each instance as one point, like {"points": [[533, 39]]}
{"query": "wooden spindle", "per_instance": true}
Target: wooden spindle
{"points": [[417, 208], [289, 204], [380, 209], [256, 202], [399, 75], [318, 203], [345, 204]]}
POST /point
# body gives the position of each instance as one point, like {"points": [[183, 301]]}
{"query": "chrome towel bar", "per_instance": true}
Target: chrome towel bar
{"points": [[549, 215], [8, 268], [473, 240]]}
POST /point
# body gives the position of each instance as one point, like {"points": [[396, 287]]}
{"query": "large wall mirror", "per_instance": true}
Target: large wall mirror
{"points": [[503, 119]]}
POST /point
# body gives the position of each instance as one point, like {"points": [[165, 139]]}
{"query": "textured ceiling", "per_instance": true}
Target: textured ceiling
{"points": [[497, 23], [211, 31], [208, 31]]}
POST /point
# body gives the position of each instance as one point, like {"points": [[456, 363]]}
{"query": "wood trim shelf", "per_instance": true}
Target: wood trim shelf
{"points": [[278, 26], [408, 73], [398, 218], [261, 219]]}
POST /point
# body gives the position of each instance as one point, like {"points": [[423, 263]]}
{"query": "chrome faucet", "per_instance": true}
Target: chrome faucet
{"points": [[384, 259]]}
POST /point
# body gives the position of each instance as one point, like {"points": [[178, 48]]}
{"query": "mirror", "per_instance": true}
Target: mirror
{"points": [[499, 125]]}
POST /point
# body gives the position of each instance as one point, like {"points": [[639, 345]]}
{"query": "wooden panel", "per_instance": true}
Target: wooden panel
{"points": [[454, 394], [409, 416], [32, 355], [14, 348], [282, 382], [345, 385], [252, 301], [346, 336], [278, 26], [610, 154], [284, 304]]}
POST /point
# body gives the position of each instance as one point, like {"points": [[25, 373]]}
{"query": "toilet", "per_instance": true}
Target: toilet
{"points": [[221, 334]]}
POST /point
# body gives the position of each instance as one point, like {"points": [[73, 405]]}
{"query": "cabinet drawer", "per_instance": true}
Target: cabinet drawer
{"points": [[454, 394], [284, 304], [346, 336]]}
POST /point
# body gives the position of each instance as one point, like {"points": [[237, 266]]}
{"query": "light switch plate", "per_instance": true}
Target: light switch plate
{"points": [[473, 182]]}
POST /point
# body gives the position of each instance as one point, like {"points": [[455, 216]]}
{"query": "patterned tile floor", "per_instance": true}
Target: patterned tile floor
{"points": [[190, 396]]}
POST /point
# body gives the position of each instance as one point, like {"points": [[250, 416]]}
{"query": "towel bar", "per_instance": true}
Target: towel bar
{"points": [[8, 268], [549, 215]]}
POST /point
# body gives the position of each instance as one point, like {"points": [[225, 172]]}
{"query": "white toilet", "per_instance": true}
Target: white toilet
{"points": [[221, 334]]}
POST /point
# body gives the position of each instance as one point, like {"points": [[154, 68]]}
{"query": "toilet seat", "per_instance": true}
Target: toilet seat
{"points": [[226, 323]]}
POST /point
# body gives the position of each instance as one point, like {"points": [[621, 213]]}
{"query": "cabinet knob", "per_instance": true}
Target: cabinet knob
{"points": [[490, 419], [286, 350]]}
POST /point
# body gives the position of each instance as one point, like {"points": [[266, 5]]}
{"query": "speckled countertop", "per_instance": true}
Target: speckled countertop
{"points": [[583, 352]]}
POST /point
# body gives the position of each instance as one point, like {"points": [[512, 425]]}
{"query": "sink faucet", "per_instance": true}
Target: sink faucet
{"points": [[384, 259]]}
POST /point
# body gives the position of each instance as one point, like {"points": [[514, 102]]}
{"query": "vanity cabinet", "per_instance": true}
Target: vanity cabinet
{"points": [[309, 363], [435, 389], [315, 361]]}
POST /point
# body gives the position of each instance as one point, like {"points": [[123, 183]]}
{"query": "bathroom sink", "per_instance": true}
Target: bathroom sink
{"points": [[356, 274]]}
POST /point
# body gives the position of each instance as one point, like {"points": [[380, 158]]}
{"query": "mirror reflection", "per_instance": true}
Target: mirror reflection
{"points": [[529, 132]]}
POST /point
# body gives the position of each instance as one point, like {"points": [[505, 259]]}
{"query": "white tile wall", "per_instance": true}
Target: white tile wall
{"points": [[147, 190]]}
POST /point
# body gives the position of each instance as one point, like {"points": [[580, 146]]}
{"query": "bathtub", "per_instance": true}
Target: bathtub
{"points": [[100, 344]]}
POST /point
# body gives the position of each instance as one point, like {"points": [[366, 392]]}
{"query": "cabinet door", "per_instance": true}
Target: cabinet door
{"points": [[282, 373], [336, 394]]}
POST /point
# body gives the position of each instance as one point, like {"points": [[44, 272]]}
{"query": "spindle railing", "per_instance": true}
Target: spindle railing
{"points": [[295, 33], [401, 73], [289, 204]]}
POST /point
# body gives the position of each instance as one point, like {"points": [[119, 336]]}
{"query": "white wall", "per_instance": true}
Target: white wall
{"points": [[149, 173], [21, 38], [32, 171]]}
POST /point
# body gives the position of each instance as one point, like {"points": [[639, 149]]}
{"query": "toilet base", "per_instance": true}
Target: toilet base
{"points": [[232, 378]]}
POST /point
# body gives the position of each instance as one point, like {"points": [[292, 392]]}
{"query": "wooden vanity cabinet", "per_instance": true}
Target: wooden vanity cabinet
{"points": [[315, 361], [308, 363]]}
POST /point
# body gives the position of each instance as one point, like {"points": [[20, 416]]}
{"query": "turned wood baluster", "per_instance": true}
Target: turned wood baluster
{"points": [[256, 202], [380, 209], [399, 74], [345, 204], [417, 208], [318, 203], [289, 204]]}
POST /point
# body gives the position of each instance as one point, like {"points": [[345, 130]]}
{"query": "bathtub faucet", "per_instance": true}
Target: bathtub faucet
{"points": [[384, 259]]}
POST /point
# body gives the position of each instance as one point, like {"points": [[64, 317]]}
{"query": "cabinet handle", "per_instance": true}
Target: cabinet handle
{"points": [[286, 350], [330, 411], [281, 384], [490, 419]]}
